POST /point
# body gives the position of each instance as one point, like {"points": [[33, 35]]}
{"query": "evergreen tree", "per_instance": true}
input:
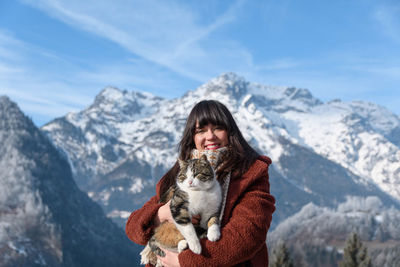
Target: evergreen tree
{"points": [[355, 254], [281, 256]]}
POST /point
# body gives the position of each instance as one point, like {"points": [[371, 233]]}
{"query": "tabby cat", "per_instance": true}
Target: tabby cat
{"points": [[196, 191]]}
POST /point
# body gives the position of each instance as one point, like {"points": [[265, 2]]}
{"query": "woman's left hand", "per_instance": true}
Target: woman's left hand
{"points": [[170, 259]]}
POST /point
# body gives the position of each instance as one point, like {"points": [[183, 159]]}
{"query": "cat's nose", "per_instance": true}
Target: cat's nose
{"points": [[190, 182]]}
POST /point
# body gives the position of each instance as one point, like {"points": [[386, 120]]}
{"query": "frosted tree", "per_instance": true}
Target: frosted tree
{"points": [[281, 256], [355, 254]]}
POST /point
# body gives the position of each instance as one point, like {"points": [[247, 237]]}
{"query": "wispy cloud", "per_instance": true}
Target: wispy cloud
{"points": [[382, 70], [165, 33], [7, 41], [389, 19], [23, 82], [61, 85], [223, 19], [389, 71], [168, 34]]}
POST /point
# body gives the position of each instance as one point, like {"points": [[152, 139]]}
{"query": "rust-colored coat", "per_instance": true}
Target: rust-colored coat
{"points": [[247, 217]]}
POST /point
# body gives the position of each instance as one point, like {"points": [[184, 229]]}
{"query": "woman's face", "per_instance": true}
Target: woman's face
{"points": [[210, 137]]}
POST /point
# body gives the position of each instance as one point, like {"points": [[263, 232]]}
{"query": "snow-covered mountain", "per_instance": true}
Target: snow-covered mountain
{"points": [[317, 234], [362, 137], [122, 144], [45, 220], [97, 139]]}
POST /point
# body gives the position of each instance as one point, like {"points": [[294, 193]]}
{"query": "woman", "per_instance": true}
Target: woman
{"points": [[248, 205]]}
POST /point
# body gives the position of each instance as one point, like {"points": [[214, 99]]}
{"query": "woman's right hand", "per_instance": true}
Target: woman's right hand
{"points": [[164, 214]]}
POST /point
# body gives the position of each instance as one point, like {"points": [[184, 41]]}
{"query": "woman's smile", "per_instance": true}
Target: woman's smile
{"points": [[210, 137], [212, 146]]}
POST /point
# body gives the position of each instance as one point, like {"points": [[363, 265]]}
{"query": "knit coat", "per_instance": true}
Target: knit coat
{"points": [[247, 217]]}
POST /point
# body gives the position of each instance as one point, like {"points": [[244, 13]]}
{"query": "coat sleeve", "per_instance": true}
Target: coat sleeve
{"points": [[139, 226], [244, 234]]}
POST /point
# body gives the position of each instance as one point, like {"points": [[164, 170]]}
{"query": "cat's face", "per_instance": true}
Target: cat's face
{"points": [[196, 174]]}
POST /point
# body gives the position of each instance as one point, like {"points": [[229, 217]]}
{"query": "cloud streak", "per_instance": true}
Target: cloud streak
{"points": [[389, 19], [48, 85], [24, 83], [164, 33]]}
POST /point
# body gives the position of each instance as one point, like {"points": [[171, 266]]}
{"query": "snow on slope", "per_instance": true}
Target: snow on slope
{"points": [[352, 135], [355, 135], [100, 137], [365, 216], [317, 235], [120, 124]]}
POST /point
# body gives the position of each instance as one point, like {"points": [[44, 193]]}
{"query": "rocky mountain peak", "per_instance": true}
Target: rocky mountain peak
{"points": [[123, 105], [111, 92], [45, 219], [229, 77], [227, 83], [300, 93], [301, 96], [11, 117], [109, 97], [4, 99]]}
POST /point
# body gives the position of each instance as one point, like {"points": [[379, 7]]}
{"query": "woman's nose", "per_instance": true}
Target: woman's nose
{"points": [[210, 134]]}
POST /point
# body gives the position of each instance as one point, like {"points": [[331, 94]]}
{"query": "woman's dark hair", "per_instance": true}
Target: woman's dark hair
{"points": [[240, 154]]}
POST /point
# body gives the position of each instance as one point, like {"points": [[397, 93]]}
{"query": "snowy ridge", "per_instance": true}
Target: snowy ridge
{"points": [[122, 129], [353, 135], [102, 134]]}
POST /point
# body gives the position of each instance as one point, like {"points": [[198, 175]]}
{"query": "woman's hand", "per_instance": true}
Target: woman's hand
{"points": [[170, 259], [164, 214]]}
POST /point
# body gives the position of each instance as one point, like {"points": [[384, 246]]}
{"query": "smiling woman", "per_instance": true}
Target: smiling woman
{"points": [[210, 137], [211, 128], [247, 207]]}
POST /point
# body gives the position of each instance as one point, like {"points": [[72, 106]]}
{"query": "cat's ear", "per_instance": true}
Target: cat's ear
{"points": [[182, 163], [204, 157]]}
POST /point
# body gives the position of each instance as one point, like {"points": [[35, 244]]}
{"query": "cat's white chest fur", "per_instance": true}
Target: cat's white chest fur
{"points": [[205, 203], [200, 201]]}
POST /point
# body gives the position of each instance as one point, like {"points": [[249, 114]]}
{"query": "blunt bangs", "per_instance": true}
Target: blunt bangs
{"points": [[206, 112]]}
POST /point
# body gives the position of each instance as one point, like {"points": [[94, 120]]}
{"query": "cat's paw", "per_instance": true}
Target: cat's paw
{"points": [[213, 232], [195, 246], [145, 255], [159, 263], [182, 245]]}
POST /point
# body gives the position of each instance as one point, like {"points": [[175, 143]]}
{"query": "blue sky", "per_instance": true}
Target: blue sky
{"points": [[55, 56]]}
